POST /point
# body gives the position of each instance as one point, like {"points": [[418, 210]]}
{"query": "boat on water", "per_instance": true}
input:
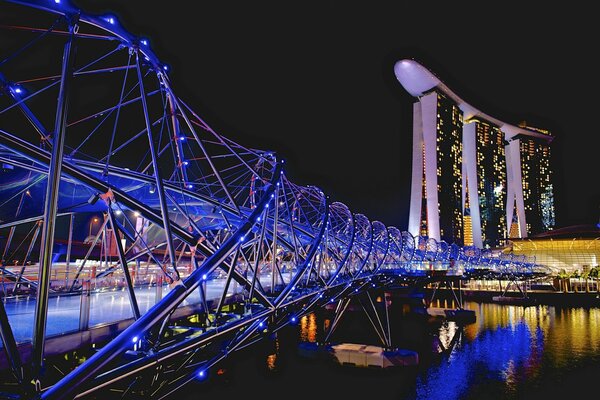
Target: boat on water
{"points": [[359, 355], [514, 300], [369, 356]]}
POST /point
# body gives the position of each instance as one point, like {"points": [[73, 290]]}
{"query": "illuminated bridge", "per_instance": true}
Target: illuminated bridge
{"points": [[122, 211]]}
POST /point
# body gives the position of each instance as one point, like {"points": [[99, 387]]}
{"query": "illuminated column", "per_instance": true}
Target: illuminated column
{"points": [[470, 170], [416, 187], [515, 186], [429, 125]]}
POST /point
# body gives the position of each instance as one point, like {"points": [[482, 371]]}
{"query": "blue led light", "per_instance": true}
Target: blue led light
{"points": [[144, 42], [134, 339], [261, 324], [204, 277], [18, 90], [186, 162], [293, 319], [201, 374], [182, 138], [57, 1]]}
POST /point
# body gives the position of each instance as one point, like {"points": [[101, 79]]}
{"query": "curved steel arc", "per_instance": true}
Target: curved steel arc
{"points": [[203, 203], [43, 158], [69, 383]]}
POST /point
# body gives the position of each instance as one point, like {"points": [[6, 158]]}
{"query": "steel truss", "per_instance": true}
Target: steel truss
{"points": [[93, 134]]}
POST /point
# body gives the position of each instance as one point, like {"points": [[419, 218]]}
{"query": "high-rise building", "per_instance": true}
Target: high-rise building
{"points": [[536, 176], [472, 173], [490, 170]]}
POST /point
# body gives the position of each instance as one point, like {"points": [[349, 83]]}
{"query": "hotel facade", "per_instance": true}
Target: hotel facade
{"points": [[476, 180]]}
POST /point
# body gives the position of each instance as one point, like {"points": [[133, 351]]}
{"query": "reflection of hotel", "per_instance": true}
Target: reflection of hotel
{"points": [[475, 179]]}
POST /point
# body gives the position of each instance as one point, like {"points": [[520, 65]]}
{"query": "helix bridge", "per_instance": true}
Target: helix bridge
{"points": [[112, 185]]}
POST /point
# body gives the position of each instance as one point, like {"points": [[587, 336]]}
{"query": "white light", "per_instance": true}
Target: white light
{"points": [[135, 339], [118, 212], [145, 42], [136, 214], [18, 90], [57, 1]]}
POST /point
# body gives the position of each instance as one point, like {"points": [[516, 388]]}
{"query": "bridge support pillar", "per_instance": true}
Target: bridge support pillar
{"points": [[159, 287], [84, 306]]}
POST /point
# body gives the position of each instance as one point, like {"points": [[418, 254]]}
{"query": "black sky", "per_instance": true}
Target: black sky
{"points": [[313, 81]]}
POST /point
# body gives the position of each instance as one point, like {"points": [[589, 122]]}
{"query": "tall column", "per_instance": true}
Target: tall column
{"points": [[51, 206], [429, 122], [515, 186], [470, 170], [416, 187]]}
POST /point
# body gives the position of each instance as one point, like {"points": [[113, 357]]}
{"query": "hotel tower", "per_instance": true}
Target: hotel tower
{"points": [[476, 180]]}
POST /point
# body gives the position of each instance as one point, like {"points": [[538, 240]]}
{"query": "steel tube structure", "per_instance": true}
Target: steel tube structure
{"points": [[250, 251], [51, 199]]}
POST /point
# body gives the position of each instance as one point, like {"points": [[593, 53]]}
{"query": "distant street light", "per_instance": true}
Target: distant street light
{"points": [[92, 223]]}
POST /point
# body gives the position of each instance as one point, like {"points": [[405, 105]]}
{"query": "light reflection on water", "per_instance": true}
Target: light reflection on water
{"points": [[510, 352], [308, 328]]}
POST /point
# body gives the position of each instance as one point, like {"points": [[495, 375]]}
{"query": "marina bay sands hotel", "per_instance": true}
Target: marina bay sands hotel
{"points": [[475, 179]]}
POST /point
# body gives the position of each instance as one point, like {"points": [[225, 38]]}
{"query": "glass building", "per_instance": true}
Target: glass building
{"points": [[448, 169], [569, 249], [536, 177], [491, 181]]}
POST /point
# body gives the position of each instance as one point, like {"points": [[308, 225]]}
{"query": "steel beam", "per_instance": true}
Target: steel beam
{"points": [[51, 202]]}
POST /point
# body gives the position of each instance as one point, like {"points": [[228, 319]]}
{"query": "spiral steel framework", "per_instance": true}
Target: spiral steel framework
{"points": [[90, 123]]}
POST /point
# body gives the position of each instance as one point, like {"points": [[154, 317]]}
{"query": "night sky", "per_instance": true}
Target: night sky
{"points": [[314, 82]]}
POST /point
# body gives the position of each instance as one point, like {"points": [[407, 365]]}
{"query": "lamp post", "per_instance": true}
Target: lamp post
{"points": [[92, 223]]}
